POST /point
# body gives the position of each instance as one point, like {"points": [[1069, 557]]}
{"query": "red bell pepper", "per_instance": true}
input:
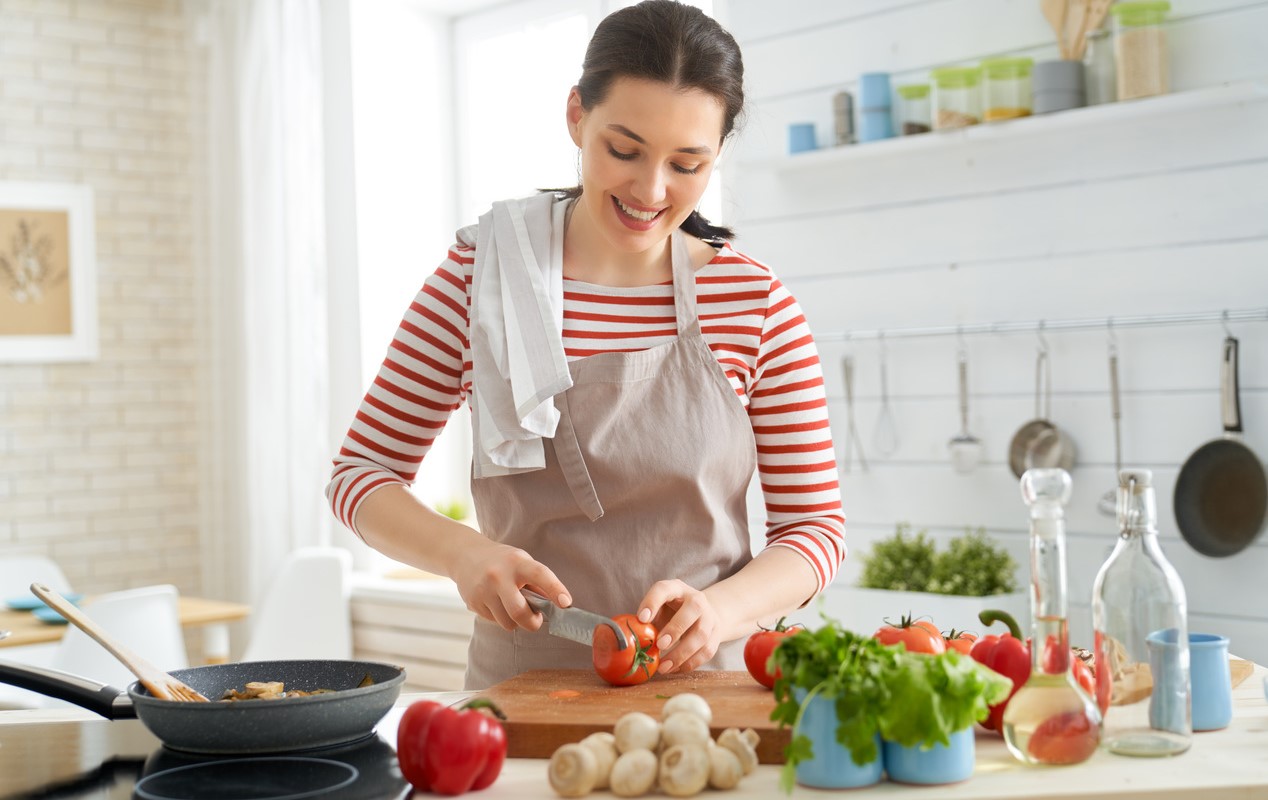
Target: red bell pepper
{"points": [[449, 751], [1008, 655]]}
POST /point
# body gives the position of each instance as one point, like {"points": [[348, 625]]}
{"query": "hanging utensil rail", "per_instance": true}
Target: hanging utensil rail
{"points": [[1049, 325]]}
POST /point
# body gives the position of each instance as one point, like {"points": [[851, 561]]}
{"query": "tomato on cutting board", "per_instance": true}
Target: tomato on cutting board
{"points": [[758, 648], [635, 664]]}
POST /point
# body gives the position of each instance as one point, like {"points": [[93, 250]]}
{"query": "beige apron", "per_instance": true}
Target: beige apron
{"points": [[645, 480]]}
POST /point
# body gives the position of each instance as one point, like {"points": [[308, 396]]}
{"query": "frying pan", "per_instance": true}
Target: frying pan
{"points": [[1221, 493], [252, 726]]}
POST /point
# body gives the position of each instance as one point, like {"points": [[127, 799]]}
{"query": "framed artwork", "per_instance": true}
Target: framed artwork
{"points": [[48, 273]]}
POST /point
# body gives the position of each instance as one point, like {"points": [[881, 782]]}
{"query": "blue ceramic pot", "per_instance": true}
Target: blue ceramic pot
{"points": [[939, 764], [831, 767]]}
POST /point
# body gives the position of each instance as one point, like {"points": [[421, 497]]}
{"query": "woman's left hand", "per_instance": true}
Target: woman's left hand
{"points": [[690, 627]]}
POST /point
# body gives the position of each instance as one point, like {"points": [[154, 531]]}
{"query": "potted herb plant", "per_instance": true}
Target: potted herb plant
{"points": [[907, 574], [852, 702]]}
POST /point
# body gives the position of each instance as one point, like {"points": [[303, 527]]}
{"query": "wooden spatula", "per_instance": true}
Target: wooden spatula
{"points": [[160, 684], [1055, 12]]}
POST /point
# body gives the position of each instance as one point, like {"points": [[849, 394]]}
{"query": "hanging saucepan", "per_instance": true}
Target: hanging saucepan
{"points": [[363, 693], [1039, 443], [1221, 493]]}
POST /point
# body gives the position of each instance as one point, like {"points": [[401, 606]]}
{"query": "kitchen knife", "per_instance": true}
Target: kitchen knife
{"points": [[573, 624]]}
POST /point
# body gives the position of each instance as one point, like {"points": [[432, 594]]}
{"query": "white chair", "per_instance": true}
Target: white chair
{"points": [[304, 613], [17, 573], [145, 620]]}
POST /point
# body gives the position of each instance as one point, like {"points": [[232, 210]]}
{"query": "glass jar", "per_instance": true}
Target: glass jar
{"points": [[1141, 637], [1140, 48], [1098, 68], [913, 109], [1006, 88], [956, 100], [1050, 720]]}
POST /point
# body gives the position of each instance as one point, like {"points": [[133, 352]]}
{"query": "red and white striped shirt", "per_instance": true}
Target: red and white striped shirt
{"points": [[749, 319]]}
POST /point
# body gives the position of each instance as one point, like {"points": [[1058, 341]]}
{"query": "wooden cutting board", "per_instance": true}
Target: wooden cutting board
{"points": [[1239, 670], [543, 712]]}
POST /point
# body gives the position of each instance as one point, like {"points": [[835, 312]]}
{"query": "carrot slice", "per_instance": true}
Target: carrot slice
{"points": [[564, 694]]}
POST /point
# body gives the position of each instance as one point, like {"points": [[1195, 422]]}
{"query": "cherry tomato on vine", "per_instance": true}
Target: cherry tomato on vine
{"points": [[635, 664], [758, 648], [959, 641]]}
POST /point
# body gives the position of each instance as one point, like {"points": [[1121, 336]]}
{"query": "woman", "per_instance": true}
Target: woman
{"points": [[627, 370]]}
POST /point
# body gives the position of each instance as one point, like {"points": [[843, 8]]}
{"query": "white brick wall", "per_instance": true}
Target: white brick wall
{"points": [[99, 462]]}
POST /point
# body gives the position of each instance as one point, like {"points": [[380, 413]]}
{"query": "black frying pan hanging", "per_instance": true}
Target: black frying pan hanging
{"points": [[1221, 493]]}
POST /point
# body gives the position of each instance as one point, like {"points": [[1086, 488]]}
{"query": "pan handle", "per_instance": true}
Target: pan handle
{"points": [[99, 698], [1230, 400]]}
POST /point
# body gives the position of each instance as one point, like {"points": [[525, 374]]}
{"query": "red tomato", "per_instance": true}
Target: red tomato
{"points": [[450, 751], [635, 664], [757, 652], [1068, 738], [959, 641], [916, 637]]}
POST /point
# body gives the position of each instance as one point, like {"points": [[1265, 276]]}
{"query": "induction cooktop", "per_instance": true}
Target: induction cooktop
{"points": [[98, 758]]}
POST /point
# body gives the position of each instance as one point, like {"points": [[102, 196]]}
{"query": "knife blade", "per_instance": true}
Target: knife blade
{"points": [[574, 624]]}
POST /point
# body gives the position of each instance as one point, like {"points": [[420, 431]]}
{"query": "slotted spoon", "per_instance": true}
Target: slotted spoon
{"points": [[160, 684]]}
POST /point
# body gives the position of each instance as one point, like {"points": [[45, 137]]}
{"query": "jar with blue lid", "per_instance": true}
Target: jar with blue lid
{"points": [[875, 107]]}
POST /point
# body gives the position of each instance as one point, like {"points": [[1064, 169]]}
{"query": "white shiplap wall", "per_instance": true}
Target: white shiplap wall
{"points": [[1153, 207]]}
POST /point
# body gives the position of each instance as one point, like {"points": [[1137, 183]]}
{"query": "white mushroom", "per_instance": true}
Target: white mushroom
{"points": [[690, 702], [603, 745], [751, 736], [724, 768], [740, 744], [633, 773], [684, 728], [573, 771], [684, 770], [636, 731]]}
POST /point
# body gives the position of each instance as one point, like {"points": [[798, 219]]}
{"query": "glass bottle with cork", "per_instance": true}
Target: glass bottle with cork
{"points": [[1050, 720], [1139, 616]]}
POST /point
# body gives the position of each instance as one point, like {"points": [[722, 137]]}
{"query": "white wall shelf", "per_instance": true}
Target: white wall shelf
{"points": [[1131, 111]]}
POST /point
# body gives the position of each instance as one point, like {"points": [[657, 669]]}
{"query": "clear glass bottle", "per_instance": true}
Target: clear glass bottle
{"points": [[1141, 635], [1050, 720], [1140, 48], [1006, 88], [956, 97], [1099, 74]]}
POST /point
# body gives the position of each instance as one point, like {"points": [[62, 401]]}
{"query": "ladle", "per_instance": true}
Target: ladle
{"points": [[1108, 504], [885, 436], [966, 449]]}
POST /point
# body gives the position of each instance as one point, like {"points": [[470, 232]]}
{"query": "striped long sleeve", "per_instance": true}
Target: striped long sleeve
{"points": [[751, 322]]}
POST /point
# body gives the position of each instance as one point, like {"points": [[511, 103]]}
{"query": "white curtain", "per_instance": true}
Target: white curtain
{"points": [[267, 443]]}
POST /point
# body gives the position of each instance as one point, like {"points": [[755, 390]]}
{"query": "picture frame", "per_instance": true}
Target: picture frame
{"points": [[48, 273]]}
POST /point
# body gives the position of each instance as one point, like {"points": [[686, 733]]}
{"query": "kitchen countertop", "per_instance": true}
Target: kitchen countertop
{"points": [[1232, 763]]}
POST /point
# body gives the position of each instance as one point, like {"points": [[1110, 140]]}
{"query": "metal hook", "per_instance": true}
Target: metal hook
{"points": [[1113, 338], [962, 349], [1043, 341], [1224, 322]]}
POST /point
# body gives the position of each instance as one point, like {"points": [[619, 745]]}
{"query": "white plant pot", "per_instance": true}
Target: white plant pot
{"points": [[865, 610]]}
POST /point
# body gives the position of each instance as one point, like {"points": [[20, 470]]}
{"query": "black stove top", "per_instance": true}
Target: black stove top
{"points": [[97, 758]]}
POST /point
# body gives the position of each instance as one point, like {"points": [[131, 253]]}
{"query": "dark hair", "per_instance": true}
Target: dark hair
{"points": [[674, 43]]}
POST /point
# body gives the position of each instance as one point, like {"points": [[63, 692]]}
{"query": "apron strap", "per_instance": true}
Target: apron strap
{"points": [[684, 282]]}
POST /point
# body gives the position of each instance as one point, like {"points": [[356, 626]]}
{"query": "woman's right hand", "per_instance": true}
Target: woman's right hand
{"points": [[489, 581]]}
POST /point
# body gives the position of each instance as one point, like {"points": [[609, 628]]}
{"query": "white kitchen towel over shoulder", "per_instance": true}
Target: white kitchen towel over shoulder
{"points": [[517, 352]]}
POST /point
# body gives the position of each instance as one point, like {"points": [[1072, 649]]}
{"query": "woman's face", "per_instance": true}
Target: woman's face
{"points": [[647, 152]]}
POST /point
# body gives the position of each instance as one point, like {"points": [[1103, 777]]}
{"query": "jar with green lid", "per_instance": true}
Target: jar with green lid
{"points": [[956, 99], [1140, 48], [1006, 88], [913, 109]]}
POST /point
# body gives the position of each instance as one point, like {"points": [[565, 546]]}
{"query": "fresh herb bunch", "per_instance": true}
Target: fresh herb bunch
{"points": [[901, 563], [972, 565], [911, 699], [975, 566]]}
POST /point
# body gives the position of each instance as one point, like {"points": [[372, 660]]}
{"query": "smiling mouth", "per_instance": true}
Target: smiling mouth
{"points": [[641, 216]]}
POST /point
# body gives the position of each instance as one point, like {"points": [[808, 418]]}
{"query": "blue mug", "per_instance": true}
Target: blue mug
{"points": [[1212, 681], [801, 137]]}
